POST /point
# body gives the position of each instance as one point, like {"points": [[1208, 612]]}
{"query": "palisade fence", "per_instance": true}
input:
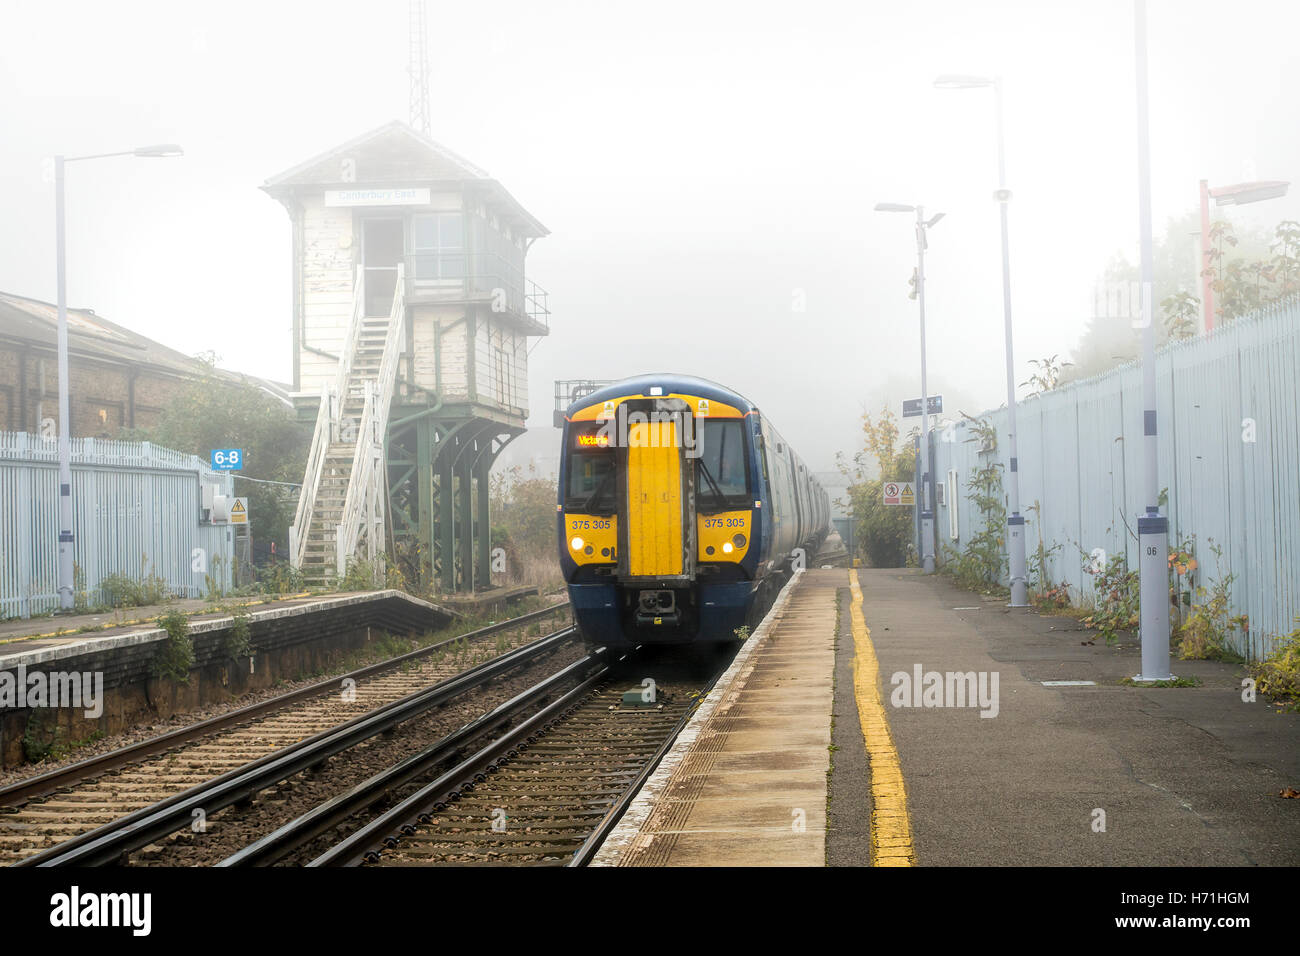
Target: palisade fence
{"points": [[136, 511], [1229, 422]]}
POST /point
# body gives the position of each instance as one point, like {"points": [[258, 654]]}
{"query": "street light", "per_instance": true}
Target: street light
{"points": [[66, 540], [1017, 566], [1153, 527], [927, 516], [1237, 195]]}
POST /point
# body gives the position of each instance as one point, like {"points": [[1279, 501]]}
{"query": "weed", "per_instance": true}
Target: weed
{"points": [[1278, 675], [1206, 634], [175, 657]]}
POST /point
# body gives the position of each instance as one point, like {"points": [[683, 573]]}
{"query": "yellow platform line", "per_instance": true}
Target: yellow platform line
{"points": [[891, 828]]}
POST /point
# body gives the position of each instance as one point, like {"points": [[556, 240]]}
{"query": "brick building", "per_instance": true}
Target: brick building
{"points": [[119, 379]]}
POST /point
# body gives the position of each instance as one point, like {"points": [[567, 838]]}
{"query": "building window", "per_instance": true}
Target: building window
{"points": [[437, 246]]}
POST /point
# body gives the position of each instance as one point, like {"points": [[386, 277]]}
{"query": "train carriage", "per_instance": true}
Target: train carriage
{"points": [[680, 511]]}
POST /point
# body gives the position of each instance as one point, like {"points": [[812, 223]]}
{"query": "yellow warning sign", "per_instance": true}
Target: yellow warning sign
{"points": [[239, 511]]}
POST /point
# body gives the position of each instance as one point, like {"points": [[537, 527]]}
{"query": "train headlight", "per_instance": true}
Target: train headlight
{"points": [[739, 540], [727, 548], [576, 543]]}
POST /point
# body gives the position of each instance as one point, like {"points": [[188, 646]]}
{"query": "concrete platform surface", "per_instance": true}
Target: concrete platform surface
{"points": [[965, 733], [746, 783], [1088, 774]]}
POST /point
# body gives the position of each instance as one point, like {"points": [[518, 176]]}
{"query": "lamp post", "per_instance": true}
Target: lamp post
{"points": [[923, 500], [66, 538], [1153, 527], [1018, 577], [1237, 195]]}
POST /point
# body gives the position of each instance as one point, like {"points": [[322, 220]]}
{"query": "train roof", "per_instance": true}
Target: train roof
{"points": [[670, 382]]}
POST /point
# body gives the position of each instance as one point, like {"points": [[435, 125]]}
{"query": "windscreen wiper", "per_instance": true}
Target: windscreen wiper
{"points": [[591, 499], [713, 485]]}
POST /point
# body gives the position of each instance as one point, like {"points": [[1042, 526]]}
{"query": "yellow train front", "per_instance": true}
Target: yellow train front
{"points": [[681, 512]]}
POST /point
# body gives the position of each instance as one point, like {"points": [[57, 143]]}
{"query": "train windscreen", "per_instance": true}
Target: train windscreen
{"points": [[723, 466], [589, 486]]}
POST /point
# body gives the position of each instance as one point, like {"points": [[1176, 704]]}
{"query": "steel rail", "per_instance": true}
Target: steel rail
{"points": [[587, 851], [47, 783], [273, 847], [405, 816], [110, 843]]}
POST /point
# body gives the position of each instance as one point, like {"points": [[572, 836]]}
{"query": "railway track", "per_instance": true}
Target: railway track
{"points": [[544, 793], [112, 791]]}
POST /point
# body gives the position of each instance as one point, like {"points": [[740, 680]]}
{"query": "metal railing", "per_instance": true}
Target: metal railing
{"points": [[300, 530], [474, 276], [363, 506]]}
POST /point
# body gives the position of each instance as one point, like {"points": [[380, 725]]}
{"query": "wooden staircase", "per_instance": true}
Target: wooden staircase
{"points": [[344, 491]]}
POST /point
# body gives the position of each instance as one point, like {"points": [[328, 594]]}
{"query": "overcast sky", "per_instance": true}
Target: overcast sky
{"points": [[703, 166]]}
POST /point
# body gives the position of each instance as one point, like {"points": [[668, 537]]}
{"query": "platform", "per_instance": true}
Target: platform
{"points": [[936, 727], [32, 641], [746, 782]]}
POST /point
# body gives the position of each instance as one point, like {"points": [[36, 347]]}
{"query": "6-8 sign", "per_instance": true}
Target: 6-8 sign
{"points": [[227, 459]]}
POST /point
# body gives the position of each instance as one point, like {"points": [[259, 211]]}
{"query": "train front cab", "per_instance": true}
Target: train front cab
{"points": [[660, 527]]}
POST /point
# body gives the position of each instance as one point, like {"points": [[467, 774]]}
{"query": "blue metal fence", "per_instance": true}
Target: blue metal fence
{"points": [[1229, 407], [135, 511]]}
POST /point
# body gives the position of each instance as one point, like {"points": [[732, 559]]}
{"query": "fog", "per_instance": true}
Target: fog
{"points": [[706, 170]]}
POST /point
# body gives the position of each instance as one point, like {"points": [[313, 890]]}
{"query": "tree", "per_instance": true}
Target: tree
{"points": [[1246, 272], [523, 524], [216, 411], [1182, 310], [884, 532]]}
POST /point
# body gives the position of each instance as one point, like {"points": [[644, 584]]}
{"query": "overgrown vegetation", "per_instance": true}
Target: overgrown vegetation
{"points": [[175, 655], [238, 640], [1207, 632], [43, 738], [523, 525], [280, 578], [979, 565], [223, 410], [883, 533], [124, 590], [1043, 591], [1278, 675], [1246, 272], [1047, 374], [1116, 596]]}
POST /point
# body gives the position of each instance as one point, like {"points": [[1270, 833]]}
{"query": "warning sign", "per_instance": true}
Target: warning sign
{"points": [[899, 493], [239, 511]]}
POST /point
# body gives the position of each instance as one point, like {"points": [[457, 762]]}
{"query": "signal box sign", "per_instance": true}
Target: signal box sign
{"points": [[899, 493]]}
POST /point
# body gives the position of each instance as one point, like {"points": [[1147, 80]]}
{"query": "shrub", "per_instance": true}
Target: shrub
{"points": [[175, 657], [884, 533], [1205, 634], [124, 590], [238, 641], [1278, 675]]}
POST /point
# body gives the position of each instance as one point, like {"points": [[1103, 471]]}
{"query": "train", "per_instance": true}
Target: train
{"points": [[681, 512]]}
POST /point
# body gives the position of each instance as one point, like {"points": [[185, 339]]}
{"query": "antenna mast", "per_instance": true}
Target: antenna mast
{"points": [[418, 68]]}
